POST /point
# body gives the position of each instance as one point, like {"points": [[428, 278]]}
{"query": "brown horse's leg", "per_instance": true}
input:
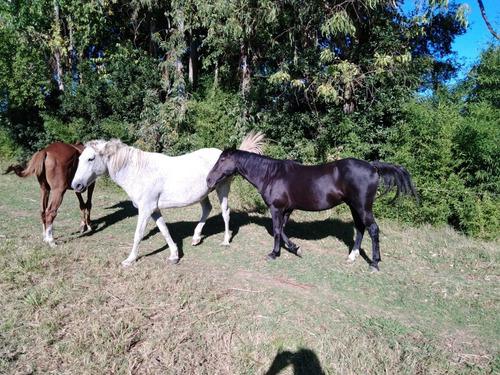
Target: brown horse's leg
{"points": [[83, 226], [51, 212], [88, 205], [44, 198]]}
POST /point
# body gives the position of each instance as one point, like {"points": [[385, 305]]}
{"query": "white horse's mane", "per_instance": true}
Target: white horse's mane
{"points": [[118, 154]]}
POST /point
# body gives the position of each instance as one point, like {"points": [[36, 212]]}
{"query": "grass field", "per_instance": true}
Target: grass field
{"points": [[72, 309]]}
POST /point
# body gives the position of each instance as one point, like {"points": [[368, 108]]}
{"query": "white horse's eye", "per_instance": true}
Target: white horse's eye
{"points": [[92, 158]]}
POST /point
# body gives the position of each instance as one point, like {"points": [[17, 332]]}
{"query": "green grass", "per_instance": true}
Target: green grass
{"points": [[433, 308]]}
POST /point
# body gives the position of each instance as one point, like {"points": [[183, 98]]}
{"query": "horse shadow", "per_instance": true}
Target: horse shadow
{"points": [[310, 230], [180, 230], [304, 362], [122, 211]]}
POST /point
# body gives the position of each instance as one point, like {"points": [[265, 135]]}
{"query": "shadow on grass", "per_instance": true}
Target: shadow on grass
{"points": [[313, 230], [304, 362], [123, 210]]}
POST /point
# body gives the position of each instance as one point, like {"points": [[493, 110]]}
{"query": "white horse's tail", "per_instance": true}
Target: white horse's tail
{"points": [[253, 142]]}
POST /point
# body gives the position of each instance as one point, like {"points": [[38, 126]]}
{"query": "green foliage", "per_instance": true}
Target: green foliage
{"points": [[478, 147], [426, 144], [8, 149], [323, 80]]}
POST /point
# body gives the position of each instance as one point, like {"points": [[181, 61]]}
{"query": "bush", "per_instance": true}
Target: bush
{"points": [[8, 148], [426, 144]]}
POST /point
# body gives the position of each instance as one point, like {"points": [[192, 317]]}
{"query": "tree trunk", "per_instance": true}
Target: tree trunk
{"points": [[193, 60], [57, 49], [179, 66], [216, 73], [245, 71]]}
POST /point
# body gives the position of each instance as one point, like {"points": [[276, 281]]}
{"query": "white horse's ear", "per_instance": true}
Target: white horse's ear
{"points": [[96, 145], [111, 147]]}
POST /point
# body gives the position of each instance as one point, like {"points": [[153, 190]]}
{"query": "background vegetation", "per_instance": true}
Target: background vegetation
{"points": [[323, 80]]}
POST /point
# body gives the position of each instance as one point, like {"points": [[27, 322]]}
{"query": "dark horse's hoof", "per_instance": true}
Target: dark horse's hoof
{"points": [[297, 252], [271, 256], [374, 269]]}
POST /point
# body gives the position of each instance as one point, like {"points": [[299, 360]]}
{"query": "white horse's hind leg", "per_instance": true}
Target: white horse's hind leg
{"points": [[206, 207], [142, 221], [222, 193], [174, 253]]}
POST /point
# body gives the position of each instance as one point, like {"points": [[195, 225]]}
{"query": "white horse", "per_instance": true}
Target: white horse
{"points": [[154, 181]]}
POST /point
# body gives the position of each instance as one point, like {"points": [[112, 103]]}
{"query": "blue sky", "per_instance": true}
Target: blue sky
{"points": [[469, 46]]}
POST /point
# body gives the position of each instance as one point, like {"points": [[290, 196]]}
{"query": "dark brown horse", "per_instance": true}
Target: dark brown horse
{"points": [[54, 167], [286, 185]]}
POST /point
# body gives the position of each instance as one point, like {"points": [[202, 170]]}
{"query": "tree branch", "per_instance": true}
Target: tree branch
{"points": [[483, 13]]}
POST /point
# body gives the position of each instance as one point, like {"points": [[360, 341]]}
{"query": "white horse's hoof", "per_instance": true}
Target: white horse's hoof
{"points": [[196, 241], [225, 243], [173, 260], [352, 256], [127, 263]]}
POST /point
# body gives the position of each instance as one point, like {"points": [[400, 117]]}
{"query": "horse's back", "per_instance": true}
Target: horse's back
{"points": [[61, 163], [185, 177], [203, 156]]}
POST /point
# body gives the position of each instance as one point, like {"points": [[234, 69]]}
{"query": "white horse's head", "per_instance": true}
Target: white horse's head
{"points": [[91, 164]]}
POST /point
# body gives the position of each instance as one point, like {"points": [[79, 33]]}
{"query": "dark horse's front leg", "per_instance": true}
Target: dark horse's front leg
{"points": [[277, 216], [293, 248]]}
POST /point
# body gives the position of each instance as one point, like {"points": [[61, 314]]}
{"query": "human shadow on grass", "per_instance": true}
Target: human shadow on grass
{"points": [[304, 362], [309, 230]]}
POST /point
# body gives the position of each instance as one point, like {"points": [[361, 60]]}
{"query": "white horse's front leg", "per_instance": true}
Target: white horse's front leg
{"points": [[206, 207], [142, 221], [174, 253], [222, 193]]}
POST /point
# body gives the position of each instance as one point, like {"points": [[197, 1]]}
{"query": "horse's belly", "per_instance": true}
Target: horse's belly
{"points": [[314, 199], [183, 195]]}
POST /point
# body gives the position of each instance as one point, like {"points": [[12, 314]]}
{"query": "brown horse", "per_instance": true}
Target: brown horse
{"points": [[54, 167]]}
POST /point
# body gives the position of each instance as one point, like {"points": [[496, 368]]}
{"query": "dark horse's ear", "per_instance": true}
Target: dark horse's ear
{"points": [[228, 151]]}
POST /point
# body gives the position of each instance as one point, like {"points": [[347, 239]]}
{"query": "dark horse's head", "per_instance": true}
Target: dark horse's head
{"points": [[225, 167]]}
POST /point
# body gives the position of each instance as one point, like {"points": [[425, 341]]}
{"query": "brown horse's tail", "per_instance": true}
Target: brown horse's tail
{"points": [[253, 142], [34, 167]]}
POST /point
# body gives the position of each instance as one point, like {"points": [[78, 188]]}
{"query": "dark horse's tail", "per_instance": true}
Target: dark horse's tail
{"points": [[395, 176], [34, 167]]}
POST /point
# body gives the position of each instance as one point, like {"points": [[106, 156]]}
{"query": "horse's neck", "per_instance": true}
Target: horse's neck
{"points": [[251, 174], [126, 175]]}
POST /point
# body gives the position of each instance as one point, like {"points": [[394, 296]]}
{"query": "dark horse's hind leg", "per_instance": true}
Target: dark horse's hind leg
{"points": [[277, 216], [365, 218], [360, 230], [293, 248]]}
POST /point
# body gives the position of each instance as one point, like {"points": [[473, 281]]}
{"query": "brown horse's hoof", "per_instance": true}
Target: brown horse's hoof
{"points": [[85, 228], [298, 252]]}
